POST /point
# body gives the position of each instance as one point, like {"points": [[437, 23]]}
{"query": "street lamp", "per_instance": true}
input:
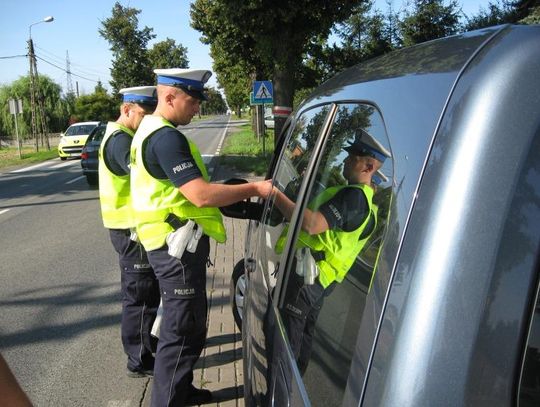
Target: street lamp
{"points": [[34, 90], [47, 19]]}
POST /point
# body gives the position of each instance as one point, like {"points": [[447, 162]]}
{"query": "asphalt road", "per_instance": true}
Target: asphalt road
{"points": [[59, 291]]}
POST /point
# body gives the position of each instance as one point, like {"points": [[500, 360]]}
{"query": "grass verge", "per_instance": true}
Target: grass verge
{"points": [[9, 156], [242, 151]]}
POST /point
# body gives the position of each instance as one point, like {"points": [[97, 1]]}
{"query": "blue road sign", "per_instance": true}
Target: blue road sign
{"points": [[263, 92]]}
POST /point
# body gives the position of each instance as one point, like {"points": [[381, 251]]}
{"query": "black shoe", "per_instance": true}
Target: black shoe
{"points": [[140, 373], [198, 396]]}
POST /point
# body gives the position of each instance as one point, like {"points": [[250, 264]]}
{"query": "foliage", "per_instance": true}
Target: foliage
{"points": [[276, 46], [233, 75], [506, 11], [132, 64], [430, 19], [166, 54], [54, 106], [96, 106], [215, 103]]}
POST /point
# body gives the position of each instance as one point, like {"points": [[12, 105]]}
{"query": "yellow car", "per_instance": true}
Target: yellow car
{"points": [[72, 141]]}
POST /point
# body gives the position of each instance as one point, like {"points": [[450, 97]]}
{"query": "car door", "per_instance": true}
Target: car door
{"points": [[312, 161], [262, 262]]}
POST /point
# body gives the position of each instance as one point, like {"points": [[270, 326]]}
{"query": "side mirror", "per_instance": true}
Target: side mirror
{"points": [[243, 209]]}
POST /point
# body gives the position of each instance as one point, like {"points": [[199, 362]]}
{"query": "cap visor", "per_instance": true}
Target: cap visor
{"points": [[195, 93]]}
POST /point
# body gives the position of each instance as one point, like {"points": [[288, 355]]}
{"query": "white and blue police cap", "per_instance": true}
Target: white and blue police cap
{"points": [[190, 81], [142, 95], [378, 178], [365, 144]]}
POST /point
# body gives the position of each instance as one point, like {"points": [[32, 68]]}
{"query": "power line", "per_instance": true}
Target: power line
{"points": [[84, 70], [62, 69], [15, 56]]}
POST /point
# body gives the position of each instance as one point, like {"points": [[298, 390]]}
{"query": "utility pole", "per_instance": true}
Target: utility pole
{"points": [[39, 124], [33, 93]]}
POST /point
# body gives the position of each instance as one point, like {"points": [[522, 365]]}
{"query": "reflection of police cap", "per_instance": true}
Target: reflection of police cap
{"points": [[378, 178], [365, 144], [143, 95], [190, 81]]}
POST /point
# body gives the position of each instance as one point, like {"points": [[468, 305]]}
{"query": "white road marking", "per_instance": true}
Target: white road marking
{"points": [[63, 164], [75, 179], [4, 211], [31, 168], [223, 136]]}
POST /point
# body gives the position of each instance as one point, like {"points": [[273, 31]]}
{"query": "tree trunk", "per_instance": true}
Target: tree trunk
{"points": [[283, 94]]}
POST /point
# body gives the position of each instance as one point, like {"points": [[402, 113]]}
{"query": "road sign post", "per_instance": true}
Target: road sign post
{"points": [[15, 107], [263, 93]]}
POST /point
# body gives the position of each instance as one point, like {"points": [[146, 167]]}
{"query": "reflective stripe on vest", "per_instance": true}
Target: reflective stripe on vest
{"points": [[154, 199], [114, 194], [340, 248]]}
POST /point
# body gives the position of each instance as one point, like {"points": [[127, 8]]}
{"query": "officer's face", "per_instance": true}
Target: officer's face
{"points": [[185, 107], [136, 114]]}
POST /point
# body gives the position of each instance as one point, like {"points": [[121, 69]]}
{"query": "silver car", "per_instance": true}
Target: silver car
{"points": [[440, 306]]}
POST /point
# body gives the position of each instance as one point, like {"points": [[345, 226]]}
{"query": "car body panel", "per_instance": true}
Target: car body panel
{"points": [[74, 138], [90, 154], [445, 295]]}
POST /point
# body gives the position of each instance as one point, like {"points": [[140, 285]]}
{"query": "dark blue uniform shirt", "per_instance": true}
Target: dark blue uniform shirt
{"points": [[167, 155]]}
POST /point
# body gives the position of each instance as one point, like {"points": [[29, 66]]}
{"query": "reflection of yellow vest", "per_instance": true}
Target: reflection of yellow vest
{"points": [[340, 248], [114, 193], [154, 199]]}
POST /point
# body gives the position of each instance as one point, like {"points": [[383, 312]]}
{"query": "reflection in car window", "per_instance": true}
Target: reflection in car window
{"points": [[336, 249], [529, 389], [288, 175]]}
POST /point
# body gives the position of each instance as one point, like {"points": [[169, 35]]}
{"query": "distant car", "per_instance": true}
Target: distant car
{"points": [[89, 154], [72, 141], [269, 121], [441, 305]]}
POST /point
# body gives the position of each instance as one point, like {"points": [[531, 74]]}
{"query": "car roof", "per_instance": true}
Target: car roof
{"points": [[85, 123]]}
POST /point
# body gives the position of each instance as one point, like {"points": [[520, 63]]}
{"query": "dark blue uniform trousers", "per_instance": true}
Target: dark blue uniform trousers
{"points": [[303, 304], [183, 326], [140, 301]]}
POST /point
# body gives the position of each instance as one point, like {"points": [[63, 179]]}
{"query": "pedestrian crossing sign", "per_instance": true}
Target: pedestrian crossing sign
{"points": [[263, 92]]}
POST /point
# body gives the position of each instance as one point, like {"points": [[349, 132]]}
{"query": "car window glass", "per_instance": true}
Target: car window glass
{"points": [[296, 155], [529, 389], [336, 250], [97, 136], [79, 130]]}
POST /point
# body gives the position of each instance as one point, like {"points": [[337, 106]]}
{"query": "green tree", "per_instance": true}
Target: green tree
{"points": [[269, 35], [502, 12], [215, 103], [429, 19], [166, 54], [233, 77], [131, 65], [97, 106], [54, 106]]}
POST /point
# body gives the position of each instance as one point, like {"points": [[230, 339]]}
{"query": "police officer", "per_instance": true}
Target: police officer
{"points": [[140, 290], [170, 185], [335, 227]]}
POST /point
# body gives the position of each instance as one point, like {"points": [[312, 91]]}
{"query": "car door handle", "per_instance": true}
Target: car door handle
{"points": [[250, 264]]}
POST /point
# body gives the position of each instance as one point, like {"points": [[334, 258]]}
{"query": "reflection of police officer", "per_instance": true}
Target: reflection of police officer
{"points": [[140, 291], [169, 182], [335, 227]]}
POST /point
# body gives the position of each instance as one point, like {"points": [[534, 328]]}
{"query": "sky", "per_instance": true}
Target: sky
{"points": [[75, 31]]}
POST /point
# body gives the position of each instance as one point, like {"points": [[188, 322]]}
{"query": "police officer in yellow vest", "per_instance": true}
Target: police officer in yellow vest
{"points": [[140, 290], [335, 227], [170, 187]]}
